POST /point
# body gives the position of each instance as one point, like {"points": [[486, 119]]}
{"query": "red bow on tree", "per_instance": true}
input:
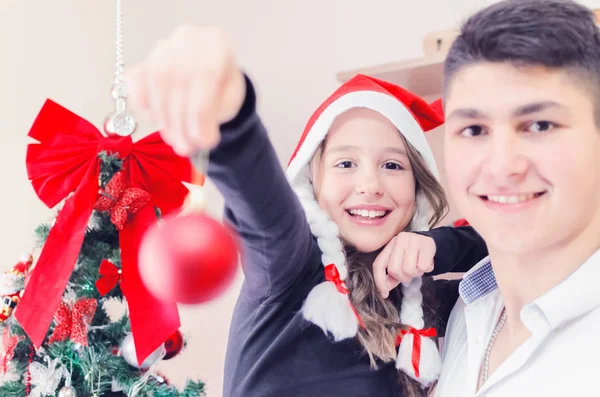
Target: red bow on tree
{"points": [[109, 277], [120, 200], [417, 333], [9, 344], [65, 162], [74, 323]]}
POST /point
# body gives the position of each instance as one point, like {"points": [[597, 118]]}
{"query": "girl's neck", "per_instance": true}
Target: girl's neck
{"points": [[364, 257]]}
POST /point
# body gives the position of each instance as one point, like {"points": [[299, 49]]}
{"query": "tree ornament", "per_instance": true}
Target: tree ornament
{"points": [[129, 355], [188, 259], [173, 345], [12, 283], [74, 323], [110, 275], [120, 200], [45, 379], [67, 391], [9, 344]]}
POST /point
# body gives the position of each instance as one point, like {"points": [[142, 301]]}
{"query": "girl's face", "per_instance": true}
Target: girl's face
{"points": [[364, 179]]}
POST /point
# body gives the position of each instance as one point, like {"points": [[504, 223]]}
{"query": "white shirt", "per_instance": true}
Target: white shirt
{"points": [[561, 358]]}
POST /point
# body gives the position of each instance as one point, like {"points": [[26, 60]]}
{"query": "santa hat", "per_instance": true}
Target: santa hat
{"points": [[328, 304]]}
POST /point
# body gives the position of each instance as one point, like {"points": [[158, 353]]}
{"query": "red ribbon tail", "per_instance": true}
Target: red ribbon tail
{"points": [[56, 262], [416, 356], [332, 275], [416, 350], [152, 320], [360, 321]]}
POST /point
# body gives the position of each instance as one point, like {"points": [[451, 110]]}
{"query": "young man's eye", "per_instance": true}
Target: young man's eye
{"points": [[540, 126], [472, 131], [392, 166], [345, 164]]}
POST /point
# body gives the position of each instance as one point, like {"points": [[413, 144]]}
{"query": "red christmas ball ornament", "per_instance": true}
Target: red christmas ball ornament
{"points": [[188, 259], [173, 345]]}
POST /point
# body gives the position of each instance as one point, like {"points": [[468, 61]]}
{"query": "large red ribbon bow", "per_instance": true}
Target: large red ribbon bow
{"points": [[110, 275], [332, 274], [74, 323], [64, 162], [416, 352]]}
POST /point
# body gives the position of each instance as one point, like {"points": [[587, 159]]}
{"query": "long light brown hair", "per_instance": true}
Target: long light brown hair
{"points": [[381, 317]]}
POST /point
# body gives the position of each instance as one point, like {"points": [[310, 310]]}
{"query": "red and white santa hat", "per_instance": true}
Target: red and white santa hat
{"points": [[328, 305]]}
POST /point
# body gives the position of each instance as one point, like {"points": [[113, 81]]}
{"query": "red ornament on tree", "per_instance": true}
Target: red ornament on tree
{"points": [[9, 344], [120, 200], [110, 275], [188, 259], [12, 282], [73, 322], [173, 345]]}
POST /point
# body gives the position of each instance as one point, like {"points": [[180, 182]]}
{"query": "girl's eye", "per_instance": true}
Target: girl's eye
{"points": [[540, 126], [472, 131], [345, 164], [392, 166]]}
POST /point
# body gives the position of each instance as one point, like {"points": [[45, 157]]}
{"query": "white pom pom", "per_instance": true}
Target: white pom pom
{"points": [[430, 364], [331, 310]]}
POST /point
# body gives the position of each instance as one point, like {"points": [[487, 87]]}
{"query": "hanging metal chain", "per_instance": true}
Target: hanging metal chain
{"points": [[119, 122], [118, 90]]}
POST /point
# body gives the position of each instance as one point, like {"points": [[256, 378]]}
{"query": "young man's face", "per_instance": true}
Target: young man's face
{"points": [[522, 154]]}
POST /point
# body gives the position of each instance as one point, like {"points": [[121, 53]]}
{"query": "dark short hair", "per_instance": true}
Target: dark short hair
{"points": [[557, 34]]}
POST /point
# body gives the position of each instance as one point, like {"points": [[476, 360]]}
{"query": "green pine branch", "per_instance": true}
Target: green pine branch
{"points": [[109, 165], [41, 233], [12, 389], [191, 389]]}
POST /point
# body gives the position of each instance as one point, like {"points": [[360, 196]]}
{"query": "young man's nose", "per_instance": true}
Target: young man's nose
{"points": [[505, 157]]}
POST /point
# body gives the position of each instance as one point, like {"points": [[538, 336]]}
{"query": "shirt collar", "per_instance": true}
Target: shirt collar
{"points": [[478, 282], [573, 297]]}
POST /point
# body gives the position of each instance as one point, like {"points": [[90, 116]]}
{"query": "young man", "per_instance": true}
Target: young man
{"points": [[522, 147]]}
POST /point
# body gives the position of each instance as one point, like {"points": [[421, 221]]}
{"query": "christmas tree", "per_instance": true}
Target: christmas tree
{"points": [[57, 336], [85, 353]]}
